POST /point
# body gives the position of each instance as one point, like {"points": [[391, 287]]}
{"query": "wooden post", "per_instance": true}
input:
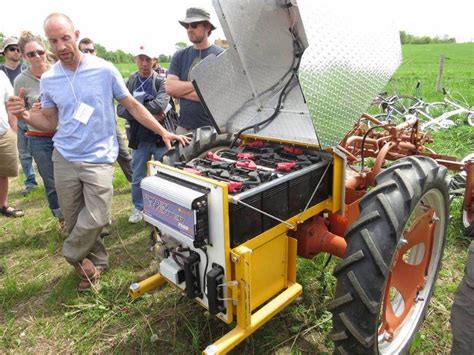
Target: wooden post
{"points": [[439, 82]]}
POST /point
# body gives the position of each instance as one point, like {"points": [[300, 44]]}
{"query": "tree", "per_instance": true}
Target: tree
{"points": [[163, 58], [180, 45], [406, 38]]}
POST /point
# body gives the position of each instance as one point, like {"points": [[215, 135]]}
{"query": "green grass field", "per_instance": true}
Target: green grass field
{"points": [[40, 311]]}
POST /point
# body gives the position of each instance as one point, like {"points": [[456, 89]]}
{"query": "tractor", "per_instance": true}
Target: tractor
{"points": [[283, 172]]}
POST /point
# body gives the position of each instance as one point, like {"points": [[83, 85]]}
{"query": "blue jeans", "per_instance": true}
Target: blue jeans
{"points": [[42, 151], [140, 157], [24, 153]]}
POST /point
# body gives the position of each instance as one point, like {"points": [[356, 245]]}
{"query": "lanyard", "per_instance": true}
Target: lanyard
{"points": [[71, 83], [142, 82]]}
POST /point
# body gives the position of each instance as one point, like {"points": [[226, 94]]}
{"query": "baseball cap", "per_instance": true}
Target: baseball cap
{"points": [[9, 41], [142, 50]]}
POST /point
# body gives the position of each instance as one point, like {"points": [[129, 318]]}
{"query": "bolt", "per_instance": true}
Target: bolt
{"points": [[403, 241], [388, 336], [418, 298], [435, 219], [235, 259]]}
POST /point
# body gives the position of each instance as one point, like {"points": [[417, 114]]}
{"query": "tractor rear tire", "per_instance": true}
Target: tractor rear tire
{"points": [[392, 259], [203, 140]]}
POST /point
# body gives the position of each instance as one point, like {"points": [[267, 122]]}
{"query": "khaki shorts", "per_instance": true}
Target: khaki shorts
{"points": [[8, 155]]}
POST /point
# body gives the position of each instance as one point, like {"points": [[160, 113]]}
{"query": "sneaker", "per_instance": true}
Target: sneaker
{"points": [[136, 216], [27, 189]]}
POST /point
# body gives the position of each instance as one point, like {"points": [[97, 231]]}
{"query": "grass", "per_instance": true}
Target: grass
{"points": [[40, 311]]}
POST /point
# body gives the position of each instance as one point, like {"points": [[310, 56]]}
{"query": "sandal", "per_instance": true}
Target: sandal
{"points": [[86, 284], [9, 211]]}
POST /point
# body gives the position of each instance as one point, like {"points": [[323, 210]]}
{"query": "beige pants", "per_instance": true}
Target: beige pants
{"points": [[8, 154], [85, 196]]}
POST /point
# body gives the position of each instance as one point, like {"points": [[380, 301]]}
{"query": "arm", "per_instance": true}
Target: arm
{"points": [[45, 119], [161, 100], [12, 121], [141, 114], [180, 89]]}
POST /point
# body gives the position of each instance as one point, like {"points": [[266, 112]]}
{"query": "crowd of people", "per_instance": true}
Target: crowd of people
{"points": [[57, 109]]}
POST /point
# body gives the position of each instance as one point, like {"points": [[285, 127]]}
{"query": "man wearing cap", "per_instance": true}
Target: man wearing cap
{"points": [[149, 89], [199, 27], [12, 68], [87, 46]]}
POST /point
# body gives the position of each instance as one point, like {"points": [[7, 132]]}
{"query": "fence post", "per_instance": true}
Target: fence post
{"points": [[439, 81]]}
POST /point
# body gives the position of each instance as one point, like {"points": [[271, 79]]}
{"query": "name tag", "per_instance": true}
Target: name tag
{"points": [[137, 94], [83, 113]]}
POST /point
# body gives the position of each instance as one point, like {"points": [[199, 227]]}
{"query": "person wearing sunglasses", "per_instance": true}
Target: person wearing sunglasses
{"points": [[11, 51], [87, 46], [40, 141], [178, 85], [12, 68]]}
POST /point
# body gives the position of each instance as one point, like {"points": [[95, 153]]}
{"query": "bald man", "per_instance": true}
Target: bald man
{"points": [[77, 97]]}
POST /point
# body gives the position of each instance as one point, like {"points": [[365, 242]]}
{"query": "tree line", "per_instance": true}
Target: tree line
{"points": [[407, 38], [117, 56]]}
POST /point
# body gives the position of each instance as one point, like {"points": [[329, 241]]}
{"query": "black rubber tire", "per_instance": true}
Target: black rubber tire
{"points": [[371, 244], [204, 139]]}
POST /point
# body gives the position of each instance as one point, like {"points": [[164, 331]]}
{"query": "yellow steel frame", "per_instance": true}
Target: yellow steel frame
{"points": [[256, 294], [250, 262]]}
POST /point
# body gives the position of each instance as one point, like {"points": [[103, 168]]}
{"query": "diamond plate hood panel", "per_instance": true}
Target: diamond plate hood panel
{"points": [[343, 67]]}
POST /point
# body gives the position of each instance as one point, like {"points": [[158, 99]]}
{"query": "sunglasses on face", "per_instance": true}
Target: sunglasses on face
{"points": [[37, 53], [14, 49], [88, 50], [194, 25]]}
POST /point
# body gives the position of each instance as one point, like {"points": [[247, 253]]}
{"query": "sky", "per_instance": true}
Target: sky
{"points": [[127, 25]]}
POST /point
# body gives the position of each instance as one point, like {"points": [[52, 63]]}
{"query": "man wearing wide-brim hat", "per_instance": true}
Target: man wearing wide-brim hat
{"points": [[199, 27]]}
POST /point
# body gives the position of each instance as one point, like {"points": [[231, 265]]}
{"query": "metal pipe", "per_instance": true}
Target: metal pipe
{"points": [[138, 289]]}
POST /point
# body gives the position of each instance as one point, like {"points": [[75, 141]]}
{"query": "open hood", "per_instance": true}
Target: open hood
{"points": [[341, 62]]}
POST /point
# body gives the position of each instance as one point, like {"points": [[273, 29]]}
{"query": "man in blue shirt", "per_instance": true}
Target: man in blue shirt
{"points": [[178, 84], [77, 98]]}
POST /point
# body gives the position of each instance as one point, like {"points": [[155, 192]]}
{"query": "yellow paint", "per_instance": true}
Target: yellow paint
{"points": [[292, 252], [338, 183], [269, 270], [146, 285], [258, 319], [249, 137]]}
